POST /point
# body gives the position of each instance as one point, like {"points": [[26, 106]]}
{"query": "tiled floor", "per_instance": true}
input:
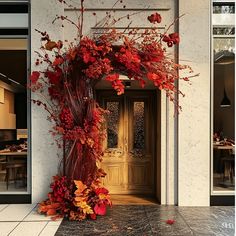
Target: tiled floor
{"points": [[122, 220], [150, 220], [23, 220]]}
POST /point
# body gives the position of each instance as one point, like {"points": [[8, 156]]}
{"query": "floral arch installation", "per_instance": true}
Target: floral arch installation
{"points": [[69, 78]]}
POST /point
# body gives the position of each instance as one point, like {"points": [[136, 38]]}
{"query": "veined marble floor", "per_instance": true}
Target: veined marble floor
{"points": [[136, 220], [148, 220]]}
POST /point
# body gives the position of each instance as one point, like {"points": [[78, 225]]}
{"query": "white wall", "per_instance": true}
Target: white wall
{"points": [[44, 154], [194, 121]]}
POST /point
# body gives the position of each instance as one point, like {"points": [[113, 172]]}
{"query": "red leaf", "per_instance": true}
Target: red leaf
{"points": [[93, 216], [101, 190], [170, 222], [100, 209], [112, 77], [58, 61]]}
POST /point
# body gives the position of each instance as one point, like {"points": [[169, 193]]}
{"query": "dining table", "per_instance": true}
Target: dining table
{"points": [[10, 155], [227, 153]]}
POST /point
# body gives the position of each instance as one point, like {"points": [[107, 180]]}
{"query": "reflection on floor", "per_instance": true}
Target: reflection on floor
{"points": [[150, 220], [222, 185], [12, 187]]}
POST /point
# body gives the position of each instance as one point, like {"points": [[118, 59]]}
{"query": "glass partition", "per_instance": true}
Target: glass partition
{"points": [[13, 112], [223, 135]]}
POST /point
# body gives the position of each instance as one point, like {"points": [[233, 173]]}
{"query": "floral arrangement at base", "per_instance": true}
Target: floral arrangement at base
{"points": [[74, 200], [68, 79]]}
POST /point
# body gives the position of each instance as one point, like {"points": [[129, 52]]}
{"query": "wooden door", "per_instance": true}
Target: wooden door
{"points": [[129, 146]]}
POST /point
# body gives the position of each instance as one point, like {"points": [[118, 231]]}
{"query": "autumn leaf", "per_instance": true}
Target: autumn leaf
{"points": [[80, 187], [170, 222], [58, 61], [51, 212], [101, 191], [93, 216], [50, 45], [84, 207], [100, 209]]}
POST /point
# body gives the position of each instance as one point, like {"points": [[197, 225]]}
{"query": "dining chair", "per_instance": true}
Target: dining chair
{"points": [[15, 170], [3, 170]]}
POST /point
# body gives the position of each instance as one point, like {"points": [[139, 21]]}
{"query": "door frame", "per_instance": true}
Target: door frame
{"points": [[20, 33], [138, 93]]}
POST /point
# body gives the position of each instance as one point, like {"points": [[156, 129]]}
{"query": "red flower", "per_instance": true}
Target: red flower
{"points": [[116, 83], [54, 76], [157, 79], [101, 190], [87, 57], [171, 39], [175, 38], [170, 222], [66, 118], [155, 18], [34, 77], [100, 209]]}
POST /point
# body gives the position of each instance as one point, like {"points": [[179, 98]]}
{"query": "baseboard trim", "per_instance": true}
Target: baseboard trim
{"points": [[222, 200], [15, 198]]}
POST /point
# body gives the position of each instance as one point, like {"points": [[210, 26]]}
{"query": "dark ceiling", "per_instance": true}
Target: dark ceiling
{"points": [[13, 64]]}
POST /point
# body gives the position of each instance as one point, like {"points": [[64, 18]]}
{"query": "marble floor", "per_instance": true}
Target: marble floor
{"points": [[135, 220], [145, 220]]}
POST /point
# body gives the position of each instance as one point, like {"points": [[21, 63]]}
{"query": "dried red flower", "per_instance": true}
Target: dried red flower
{"points": [[155, 18], [34, 77]]}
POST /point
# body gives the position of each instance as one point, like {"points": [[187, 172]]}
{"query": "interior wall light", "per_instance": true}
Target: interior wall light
{"points": [[225, 101]]}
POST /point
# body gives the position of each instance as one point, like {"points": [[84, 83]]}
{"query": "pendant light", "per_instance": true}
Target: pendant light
{"points": [[225, 101], [224, 58]]}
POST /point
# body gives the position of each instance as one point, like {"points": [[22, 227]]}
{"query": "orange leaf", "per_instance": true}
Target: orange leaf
{"points": [[50, 45], [51, 212], [80, 187]]}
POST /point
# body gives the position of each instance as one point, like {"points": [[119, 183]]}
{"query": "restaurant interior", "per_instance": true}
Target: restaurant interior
{"points": [[224, 110], [13, 115]]}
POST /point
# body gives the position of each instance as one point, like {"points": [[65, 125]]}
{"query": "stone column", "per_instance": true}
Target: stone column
{"points": [[194, 122]]}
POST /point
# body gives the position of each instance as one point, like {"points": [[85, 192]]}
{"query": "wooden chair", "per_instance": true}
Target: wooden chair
{"points": [[3, 170], [15, 170], [229, 167]]}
